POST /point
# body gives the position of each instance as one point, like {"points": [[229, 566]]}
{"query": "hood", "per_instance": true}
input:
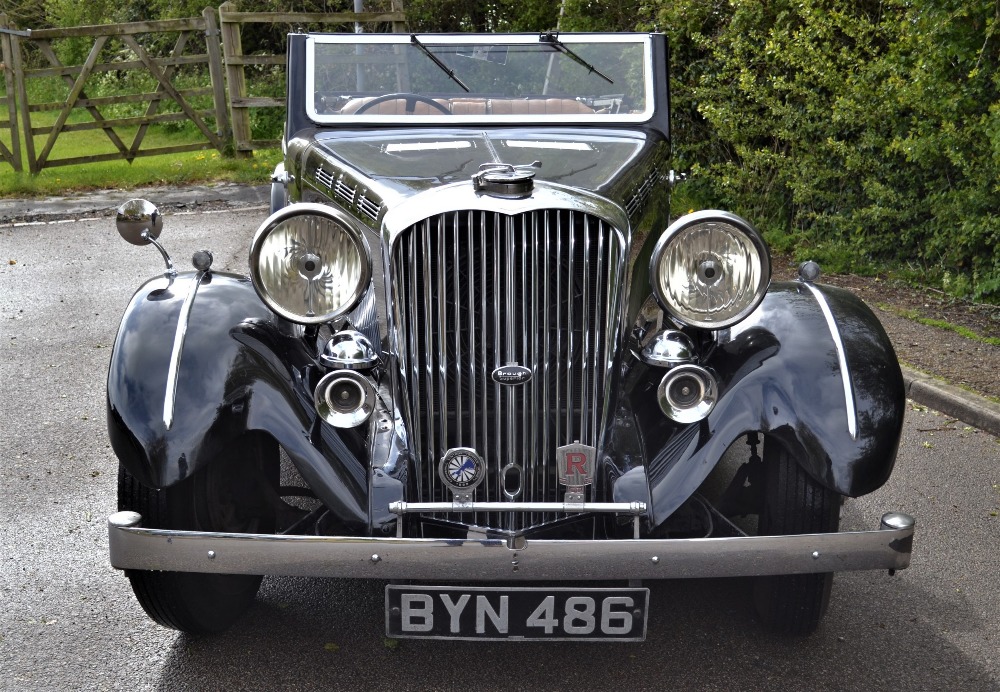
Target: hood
{"points": [[401, 163]]}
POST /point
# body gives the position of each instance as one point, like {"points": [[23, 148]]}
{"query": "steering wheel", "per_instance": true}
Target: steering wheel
{"points": [[410, 99]]}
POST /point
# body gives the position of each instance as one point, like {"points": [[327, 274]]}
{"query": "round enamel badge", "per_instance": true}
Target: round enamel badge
{"points": [[462, 469]]}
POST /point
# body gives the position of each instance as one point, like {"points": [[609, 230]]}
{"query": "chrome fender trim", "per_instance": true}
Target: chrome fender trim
{"points": [[175, 353], [133, 547], [845, 374]]}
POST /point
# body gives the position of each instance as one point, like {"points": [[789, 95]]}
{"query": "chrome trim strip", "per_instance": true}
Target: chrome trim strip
{"points": [[510, 355], [456, 300], [461, 195], [568, 402], [169, 397], [513, 559], [845, 374], [425, 231], [442, 327]]}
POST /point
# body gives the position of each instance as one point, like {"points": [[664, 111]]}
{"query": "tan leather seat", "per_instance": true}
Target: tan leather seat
{"points": [[393, 107], [472, 106], [553, 106]]}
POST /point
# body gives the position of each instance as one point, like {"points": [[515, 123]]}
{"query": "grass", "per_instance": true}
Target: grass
{"points": [[941, 324], [173, 169], [169, 169]]}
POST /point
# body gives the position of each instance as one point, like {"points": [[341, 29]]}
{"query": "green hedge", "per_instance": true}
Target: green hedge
{"points": [[855, 133]]}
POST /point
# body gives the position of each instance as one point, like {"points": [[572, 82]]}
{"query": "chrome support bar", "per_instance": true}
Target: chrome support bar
{"points": [[636, 508], [472, 560]]}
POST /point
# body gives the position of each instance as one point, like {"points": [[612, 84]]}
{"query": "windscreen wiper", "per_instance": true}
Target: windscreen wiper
{"points": [[552, 39], [437, 61]]}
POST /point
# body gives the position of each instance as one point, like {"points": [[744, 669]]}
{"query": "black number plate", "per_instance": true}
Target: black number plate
{"points": [[491, 613]]}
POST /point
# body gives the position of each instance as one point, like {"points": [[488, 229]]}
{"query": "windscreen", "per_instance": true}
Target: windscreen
{"points": [[427, 78]]}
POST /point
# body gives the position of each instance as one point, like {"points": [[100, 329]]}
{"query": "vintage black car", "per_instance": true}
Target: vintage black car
{"points": [[474, 357]]}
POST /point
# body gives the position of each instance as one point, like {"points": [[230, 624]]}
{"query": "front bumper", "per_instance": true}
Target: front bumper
{"points": [[133, 547]]}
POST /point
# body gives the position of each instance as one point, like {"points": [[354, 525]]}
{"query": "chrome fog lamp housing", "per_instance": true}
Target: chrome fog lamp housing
{"points": [[687, 394], [710, 269], [344, 399], [309, 263], [348, 350], [668, 348]]}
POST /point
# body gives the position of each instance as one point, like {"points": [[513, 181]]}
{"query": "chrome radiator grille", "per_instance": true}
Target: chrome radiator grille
{"points": [[473, 291]]}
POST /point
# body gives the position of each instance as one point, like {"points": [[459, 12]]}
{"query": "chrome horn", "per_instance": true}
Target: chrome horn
{"points": [[687, 394], [344, 398]]}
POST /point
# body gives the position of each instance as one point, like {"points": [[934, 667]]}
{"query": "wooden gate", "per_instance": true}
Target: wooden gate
{"points": [[240, 100], [143, 48]]}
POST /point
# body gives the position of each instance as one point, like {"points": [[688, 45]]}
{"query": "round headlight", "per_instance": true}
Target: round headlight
{"points": [[309, 263], [710, 269]]}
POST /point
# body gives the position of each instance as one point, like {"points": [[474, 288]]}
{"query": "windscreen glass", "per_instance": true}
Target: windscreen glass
{"points": [[513, 79]]}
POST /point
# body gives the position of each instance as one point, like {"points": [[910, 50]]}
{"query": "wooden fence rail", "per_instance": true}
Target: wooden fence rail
{"points": [[210, 46]]}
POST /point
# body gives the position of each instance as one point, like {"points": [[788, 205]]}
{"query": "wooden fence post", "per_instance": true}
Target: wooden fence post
{"points": [[232, 47], [13, 155], [22, 100], [212, 40], [397, 6]]}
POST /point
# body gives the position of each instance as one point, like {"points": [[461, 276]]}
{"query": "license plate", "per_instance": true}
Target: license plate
{"points": [[501, 613]]}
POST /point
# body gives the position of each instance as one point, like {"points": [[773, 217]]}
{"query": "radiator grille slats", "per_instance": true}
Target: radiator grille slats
{"points": [[473, 291]]}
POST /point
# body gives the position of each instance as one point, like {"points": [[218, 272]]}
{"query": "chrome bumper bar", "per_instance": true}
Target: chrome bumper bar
{"points": [[133, 547]]}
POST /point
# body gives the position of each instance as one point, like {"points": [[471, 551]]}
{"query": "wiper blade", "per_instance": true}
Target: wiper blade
{"points": [[552, 38], [437, 61]]}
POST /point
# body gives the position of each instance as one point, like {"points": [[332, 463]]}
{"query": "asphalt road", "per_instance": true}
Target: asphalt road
{"points": [[69, 621]]}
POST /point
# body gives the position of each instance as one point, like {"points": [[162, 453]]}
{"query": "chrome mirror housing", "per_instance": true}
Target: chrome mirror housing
{"points": [[139, 222]]}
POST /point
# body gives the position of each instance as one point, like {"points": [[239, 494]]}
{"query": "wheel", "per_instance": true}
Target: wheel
{"points": [[410, 99], [227, 496], [279, 196], [793, 503]]}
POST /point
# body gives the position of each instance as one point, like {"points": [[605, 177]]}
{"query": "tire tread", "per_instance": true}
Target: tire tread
{"points": [[794, 604]]}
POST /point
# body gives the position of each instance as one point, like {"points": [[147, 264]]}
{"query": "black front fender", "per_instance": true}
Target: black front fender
{"points": [[240, 370], [779, 373]]}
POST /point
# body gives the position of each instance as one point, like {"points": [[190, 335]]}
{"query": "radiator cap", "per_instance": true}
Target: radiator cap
{"points": [[504, 180]]}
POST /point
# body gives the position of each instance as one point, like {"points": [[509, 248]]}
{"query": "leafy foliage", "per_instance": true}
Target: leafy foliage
{"points": [[852, 132]]}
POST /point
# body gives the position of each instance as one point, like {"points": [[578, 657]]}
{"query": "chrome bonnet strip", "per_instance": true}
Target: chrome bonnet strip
{"points": [[513, 559], [173, 369], [845, 374]]}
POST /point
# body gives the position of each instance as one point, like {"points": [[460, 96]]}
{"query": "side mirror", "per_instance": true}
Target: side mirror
{"points": [[139, 222]]}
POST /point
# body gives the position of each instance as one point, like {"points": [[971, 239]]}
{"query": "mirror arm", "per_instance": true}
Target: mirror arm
{"points": [[170, 271]]}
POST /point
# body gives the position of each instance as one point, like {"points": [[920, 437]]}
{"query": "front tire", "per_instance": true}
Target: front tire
{"points": [[227, 496], [793, 503]]}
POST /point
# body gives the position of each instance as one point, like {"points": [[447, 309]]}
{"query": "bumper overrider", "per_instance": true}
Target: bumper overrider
{"points": [[516, 559]]}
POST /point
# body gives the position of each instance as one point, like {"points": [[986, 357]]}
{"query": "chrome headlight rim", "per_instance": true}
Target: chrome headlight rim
{"points": [[350, 228], [701, 217]]}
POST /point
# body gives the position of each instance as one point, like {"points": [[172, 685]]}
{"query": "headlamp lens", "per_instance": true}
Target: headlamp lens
{"points": [[710, 272], [309, 267]]}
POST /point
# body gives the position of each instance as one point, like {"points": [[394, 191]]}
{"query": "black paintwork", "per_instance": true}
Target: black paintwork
{"points": [[244, 369], [241, 369], [779, 374]]}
